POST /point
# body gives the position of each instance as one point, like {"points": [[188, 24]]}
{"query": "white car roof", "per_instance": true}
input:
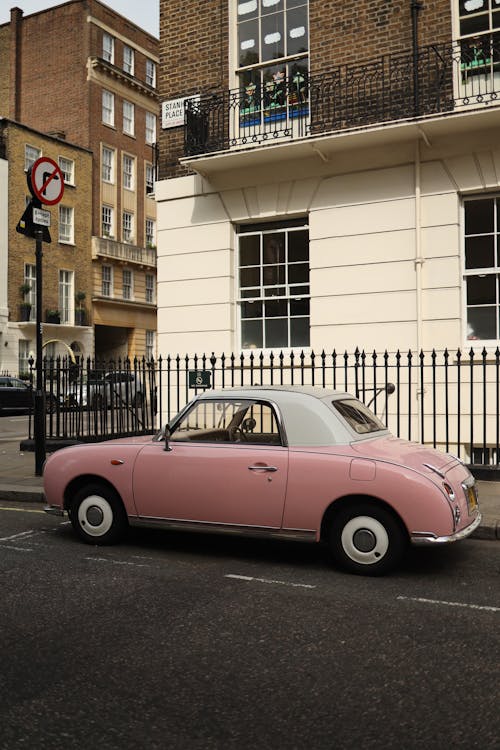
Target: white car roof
{"points": [[308, 415]]}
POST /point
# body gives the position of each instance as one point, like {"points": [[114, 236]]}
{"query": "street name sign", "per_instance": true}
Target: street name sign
{"points": [[41, 217]]}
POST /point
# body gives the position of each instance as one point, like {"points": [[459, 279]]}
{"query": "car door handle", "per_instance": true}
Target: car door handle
{"points": [[262, 467]]}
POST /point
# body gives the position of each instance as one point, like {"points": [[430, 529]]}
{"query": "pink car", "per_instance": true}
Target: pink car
{"points": [[283, 462]]}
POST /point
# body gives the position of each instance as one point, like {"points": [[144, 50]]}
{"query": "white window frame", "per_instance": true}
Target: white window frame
{"points": [[66, 223], [150, 132], [127, 284], [108, 108], [150, 72], [108, 48], [150, 345], [30, 278], [482, 272], [107, 221], [128, 59], [286, 291], [107, 281], [128, 172], [128, 227], [31, 154], [150, 232], [128, 118], [108, 165], [23, 356], [149, 178], [150, 288], [66, 296], [67, 167]]}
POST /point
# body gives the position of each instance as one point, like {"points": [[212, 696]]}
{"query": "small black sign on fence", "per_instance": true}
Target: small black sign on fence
{"points": [[199, 378]]}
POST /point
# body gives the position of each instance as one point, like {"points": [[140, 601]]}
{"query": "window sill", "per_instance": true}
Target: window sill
{"points": [[68, 243]]}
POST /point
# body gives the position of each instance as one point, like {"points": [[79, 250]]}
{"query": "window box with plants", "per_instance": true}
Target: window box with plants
{"points": [[52, 316]]}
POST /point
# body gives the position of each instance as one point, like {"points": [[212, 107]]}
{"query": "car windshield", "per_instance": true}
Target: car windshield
{"points": [[358, 416]]}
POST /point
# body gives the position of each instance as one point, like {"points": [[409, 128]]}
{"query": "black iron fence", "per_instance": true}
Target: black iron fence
{"points": [[447, 399], [438, 79]]}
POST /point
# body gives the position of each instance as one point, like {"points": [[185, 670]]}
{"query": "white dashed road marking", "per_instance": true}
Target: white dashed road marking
{"points": [[269, 580], [23, 534], [422, 600]]}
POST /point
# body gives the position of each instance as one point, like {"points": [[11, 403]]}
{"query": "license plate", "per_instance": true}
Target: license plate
{"points": [[471, 493]]}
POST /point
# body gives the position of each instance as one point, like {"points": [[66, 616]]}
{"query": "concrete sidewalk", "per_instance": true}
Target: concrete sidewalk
{"points": [[18, 482]]}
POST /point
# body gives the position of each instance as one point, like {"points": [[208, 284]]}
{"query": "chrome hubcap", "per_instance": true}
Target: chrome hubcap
{"points": [[364, 540], [94, 515]]}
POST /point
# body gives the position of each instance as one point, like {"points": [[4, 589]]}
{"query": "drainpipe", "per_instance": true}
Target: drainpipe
{"points": [[416, 6], [419, 261], [16, 20]]}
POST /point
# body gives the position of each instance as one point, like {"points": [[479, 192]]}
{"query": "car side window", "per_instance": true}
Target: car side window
{"points": [[229, 421]]}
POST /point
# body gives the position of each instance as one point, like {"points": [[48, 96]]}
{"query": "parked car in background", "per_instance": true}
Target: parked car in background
{"points": [[284, 462], [99, 390], [16, 395]]}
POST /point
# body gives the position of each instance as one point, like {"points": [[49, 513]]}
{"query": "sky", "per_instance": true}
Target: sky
{"points": [[144, 13]]}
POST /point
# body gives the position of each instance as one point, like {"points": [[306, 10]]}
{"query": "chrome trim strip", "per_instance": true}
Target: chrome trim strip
{"points": [[53, 510], [209, 527], [436, 471], [427, 537]]}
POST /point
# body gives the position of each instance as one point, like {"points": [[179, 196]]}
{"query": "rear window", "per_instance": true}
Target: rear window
{"points": [[358, 416]]}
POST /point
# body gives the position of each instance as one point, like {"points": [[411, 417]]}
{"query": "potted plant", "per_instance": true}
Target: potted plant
{"points": [[52, 316], [80, 310], [25, 306]]}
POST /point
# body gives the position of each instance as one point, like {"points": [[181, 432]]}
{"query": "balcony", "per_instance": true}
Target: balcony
{"points": [[103, 247], [439, 79]]}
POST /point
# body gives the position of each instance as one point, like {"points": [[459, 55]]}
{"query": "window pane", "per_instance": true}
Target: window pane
{"points": [[481, 290], [299, 307], [479, 252], [272, 35], [274, 248], [250, 251], [479, 216], [474, 24], [276, 309], [298, 273], [273, 275], [481, 323], [297, 34], [276, 332], [299, 332], [251, 310], [298, 246], [250, 277], [251, 334], [248, 43]]}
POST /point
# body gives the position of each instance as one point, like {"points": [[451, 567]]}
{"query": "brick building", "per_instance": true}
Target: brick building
{"points": [[329, 177], [97, 88], [67, 261]]}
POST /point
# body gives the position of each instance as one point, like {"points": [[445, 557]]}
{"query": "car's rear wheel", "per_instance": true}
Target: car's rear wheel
{"points": [[97, 515], [367, 539]]}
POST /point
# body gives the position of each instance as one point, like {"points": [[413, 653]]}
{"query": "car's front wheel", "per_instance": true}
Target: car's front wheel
{"points": [[97, 515], [367, 539]]}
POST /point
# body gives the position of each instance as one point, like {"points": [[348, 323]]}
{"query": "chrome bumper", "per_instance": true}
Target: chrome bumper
{"points": [[427, 537], [53, 510]]}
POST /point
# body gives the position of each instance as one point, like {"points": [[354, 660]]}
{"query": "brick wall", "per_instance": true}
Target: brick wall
{"points": [[56, 256], [194, 46]]}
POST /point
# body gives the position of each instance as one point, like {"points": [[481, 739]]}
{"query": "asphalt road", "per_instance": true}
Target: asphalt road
{"points": [[188, 641]]}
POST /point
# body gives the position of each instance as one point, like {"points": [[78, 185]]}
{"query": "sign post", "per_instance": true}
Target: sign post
{"points": [[39, 417], [46, 184]]}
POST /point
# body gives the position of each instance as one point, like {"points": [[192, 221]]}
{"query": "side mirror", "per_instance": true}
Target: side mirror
{"points": [[167, 438]]}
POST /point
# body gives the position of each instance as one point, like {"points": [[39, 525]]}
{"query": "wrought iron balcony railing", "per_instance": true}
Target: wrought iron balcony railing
{"points": [[439, 78]]}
